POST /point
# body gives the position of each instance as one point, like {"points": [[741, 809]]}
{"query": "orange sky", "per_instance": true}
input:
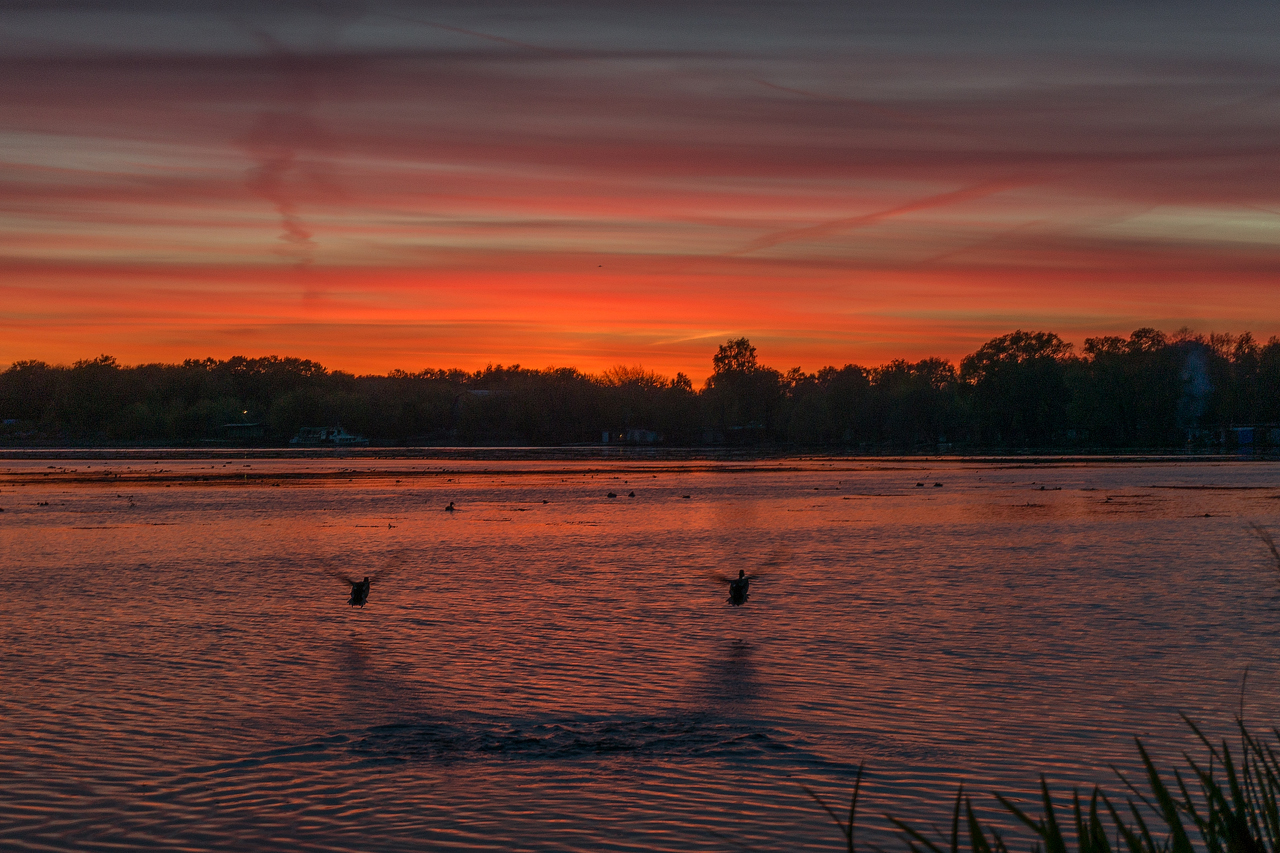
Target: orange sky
{"points": [[596, 185]]}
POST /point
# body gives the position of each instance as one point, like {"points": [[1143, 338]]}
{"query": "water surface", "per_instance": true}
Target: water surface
{"points": [[552, 668]]}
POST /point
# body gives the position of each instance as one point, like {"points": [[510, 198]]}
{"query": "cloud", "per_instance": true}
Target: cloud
{"points": [[691, 161]]}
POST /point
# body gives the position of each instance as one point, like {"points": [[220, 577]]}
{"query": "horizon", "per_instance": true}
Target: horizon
{"points": [[382, 186], [698, 378]]}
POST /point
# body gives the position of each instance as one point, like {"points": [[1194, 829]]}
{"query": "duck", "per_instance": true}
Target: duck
{"points": [[739, 587], [360, 588], [359, 592]]}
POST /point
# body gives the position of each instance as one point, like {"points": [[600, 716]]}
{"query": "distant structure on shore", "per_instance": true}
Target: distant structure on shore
{"points": [[334, 436], [631, 436]]}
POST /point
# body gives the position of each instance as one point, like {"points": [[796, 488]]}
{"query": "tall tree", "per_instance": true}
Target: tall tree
{"points": [[743, 399], [1018, 384]]}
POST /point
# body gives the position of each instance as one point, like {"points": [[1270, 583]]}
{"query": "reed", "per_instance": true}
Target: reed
{"points": [[1265, 535], [1220, 802]]}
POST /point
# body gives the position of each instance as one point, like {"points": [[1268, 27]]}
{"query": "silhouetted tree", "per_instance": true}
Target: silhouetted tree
{"points": [[1268, 380], [1024, 389], [918, 405], [743, 399], [1019, 388], [641, 399], [735, 356], [847, 391]]}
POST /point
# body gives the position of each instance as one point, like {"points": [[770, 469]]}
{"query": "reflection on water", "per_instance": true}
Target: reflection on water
{"points": [[729, 678], [549, 668]]}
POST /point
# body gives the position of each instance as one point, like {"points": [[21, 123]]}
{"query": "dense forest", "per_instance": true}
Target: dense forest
{"points": [[1024, 390]]}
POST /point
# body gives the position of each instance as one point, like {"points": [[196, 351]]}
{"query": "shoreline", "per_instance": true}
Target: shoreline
{"points": [[160, 467], [612, 454]]}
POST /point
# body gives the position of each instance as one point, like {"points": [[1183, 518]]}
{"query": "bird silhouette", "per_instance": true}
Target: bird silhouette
{"points": [[360, 588], [739, 587], [359, 592]]}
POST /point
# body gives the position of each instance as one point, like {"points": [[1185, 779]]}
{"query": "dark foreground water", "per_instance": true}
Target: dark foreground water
{"points": [[551, 668]]}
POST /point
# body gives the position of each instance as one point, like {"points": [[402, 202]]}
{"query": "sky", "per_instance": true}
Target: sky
{"points": [[381, 185]]}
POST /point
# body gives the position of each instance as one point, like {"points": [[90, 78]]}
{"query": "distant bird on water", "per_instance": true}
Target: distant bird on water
{"points": [[450, 507]]}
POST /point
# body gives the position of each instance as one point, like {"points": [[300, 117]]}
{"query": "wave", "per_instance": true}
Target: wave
{"points": [[666, 737]]}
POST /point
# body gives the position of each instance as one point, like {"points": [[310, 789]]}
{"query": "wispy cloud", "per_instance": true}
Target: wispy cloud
{"points": [[689, 161]]}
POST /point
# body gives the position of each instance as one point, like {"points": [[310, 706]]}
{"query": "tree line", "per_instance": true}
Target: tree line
{"points": [[1023, 390]]}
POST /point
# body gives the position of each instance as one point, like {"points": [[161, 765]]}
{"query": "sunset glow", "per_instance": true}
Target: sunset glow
{"points": [[594, 185]]}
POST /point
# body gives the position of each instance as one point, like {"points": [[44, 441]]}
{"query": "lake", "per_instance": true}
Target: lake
{"points": [[549, 667]]}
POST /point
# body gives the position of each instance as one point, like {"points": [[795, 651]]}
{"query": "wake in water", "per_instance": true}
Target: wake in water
{"points": [[566, 740]]}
